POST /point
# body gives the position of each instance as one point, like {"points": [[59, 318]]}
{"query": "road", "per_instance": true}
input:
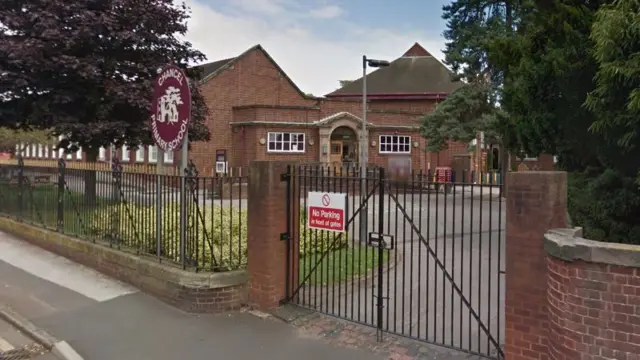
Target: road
{"points": [[104, 319]]}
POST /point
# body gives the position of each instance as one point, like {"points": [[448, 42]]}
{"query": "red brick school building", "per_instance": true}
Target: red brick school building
{"points": [[258, 113]]}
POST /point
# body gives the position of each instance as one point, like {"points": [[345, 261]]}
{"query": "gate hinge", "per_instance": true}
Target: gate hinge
{"points": [[284, 236], [285, 176]]}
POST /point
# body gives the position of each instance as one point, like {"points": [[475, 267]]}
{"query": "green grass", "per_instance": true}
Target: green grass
{"points": [[340, 265], [38, 205]]}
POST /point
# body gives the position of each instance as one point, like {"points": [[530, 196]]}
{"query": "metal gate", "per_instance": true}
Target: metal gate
{"points": [[419, 258]]}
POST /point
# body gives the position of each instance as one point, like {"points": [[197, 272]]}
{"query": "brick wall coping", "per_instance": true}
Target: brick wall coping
{"points": [[139, 267], [568, 245]]}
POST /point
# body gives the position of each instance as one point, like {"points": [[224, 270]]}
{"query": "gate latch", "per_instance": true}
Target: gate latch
{"points": [[381, 240]]}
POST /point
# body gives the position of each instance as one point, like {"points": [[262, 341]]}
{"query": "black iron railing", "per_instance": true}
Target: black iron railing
{"points": [[201, 226]]}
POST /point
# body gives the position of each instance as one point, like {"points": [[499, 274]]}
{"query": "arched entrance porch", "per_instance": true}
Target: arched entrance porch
{"points": [[343, 149]]}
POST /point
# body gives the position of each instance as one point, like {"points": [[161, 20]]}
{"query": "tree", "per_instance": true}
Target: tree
{"points": [[11, 138], [460, 117], [616, 97], [472, 27], [84, 68], [550, 71], [552, 64]]}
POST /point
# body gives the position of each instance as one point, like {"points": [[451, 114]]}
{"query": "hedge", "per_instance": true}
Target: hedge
{"points": [[216, 236]]}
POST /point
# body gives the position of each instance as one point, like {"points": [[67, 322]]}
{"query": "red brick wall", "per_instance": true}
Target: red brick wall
{"points": [[253, 79], [594, 311]]}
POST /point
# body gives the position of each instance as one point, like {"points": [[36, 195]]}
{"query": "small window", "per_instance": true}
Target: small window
{"points": [[285, 142], [395, 144], [34, 149], [45, 151], [125, 153], [140, 154], [40, 150], [27, 152], [79, 154], [102, 153], [168, 157], [153, 154]]}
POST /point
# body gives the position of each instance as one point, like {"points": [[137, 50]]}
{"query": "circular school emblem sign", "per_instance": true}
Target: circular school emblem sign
{"points": [[170, 108]]}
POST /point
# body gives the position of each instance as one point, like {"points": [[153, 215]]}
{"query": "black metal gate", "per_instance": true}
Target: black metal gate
{"points": [[419, 258]]}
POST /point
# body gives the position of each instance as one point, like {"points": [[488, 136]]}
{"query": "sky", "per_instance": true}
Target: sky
{"points": [[316, 42]]}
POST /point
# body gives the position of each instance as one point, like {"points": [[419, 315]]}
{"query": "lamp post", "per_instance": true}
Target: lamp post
{"points": [[364, 144]]}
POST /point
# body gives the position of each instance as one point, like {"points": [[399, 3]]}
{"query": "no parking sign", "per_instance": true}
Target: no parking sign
{"points": [[326, 211]]}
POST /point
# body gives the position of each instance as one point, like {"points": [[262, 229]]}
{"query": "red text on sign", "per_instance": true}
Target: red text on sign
{"points": [[326, 218]]}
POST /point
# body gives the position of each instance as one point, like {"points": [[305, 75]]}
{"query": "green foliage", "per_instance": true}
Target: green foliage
{"points": [[616, 98], [606, 204], [460, 117], [216, 237], [217, 240], [545, 61]]}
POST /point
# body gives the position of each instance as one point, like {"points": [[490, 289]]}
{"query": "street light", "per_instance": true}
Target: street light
{"points": [[364, 144]]}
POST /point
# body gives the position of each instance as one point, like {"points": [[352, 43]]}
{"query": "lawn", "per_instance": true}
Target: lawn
{"points": [[348, 263]]}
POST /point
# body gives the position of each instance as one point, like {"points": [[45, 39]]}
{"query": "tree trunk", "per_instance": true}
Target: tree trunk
{"points": [[90, 177]]}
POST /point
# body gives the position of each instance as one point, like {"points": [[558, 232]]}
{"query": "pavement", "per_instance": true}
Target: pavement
{"points": [[103, 319], [16, 345]]}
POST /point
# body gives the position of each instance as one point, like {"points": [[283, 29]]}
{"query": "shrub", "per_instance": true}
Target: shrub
{"points": [[606, 204], [216, 236]]}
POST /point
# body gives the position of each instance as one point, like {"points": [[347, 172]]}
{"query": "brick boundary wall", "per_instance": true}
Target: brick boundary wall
{"points": [[536, 202], [593, 298], [188, 291]]}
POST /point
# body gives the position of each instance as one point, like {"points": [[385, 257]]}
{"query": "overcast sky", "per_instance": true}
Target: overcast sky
{"points": [[316, 42]]}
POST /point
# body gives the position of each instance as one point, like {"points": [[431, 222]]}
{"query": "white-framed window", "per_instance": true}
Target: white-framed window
{"points": [[153, 154], [45, 152], [285, 142], [125, 153], [168, 157], [40, 151], [140, 154], [34, 150], [102, 153], [27, 152], [395, 144], [79, 154]]}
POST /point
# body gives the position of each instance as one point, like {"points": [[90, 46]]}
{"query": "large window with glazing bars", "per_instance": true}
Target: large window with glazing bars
{"points": [[285, 142], [395, 144]]}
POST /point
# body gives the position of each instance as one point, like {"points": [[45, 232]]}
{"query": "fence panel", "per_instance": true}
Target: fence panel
{"points": [[202, 229]]}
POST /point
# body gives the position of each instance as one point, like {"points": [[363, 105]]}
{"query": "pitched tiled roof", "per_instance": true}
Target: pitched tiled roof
{"points": [[210, 70], [407, 75], [211, 67]]}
